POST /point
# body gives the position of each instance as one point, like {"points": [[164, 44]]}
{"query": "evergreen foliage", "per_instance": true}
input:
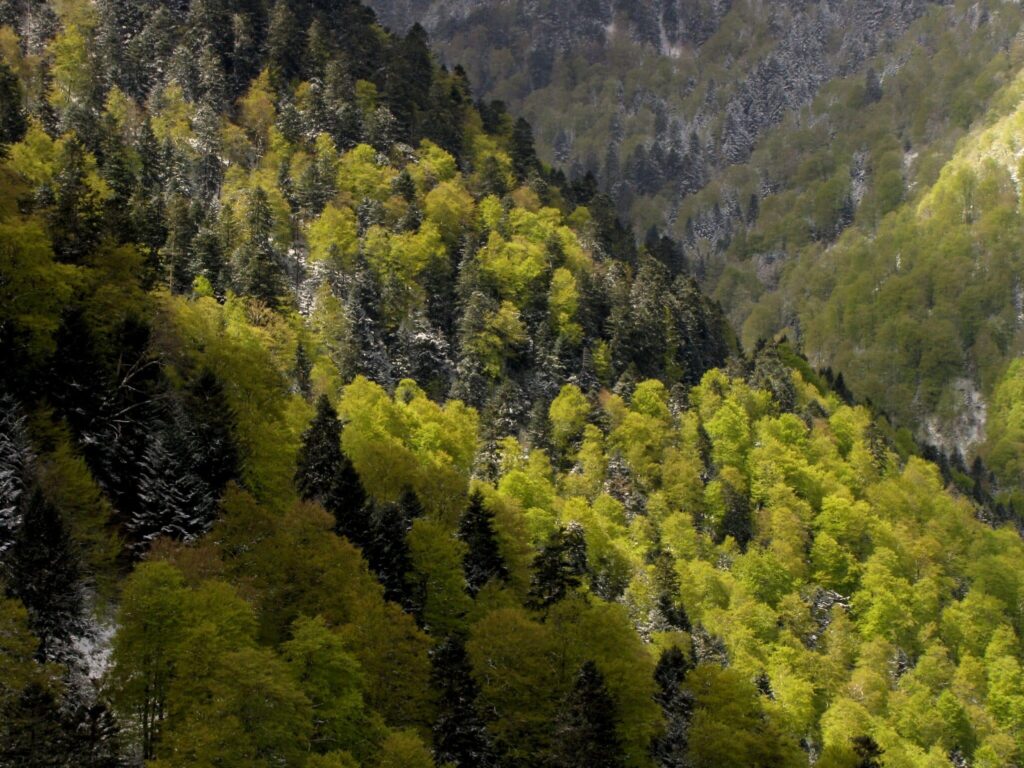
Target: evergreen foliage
{"points": [[268, 276], [460, 735], [586, 729], [482, 561]]}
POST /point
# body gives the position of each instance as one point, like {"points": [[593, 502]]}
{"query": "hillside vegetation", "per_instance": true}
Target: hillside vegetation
{"points": [[757, 134], [337, 430]]}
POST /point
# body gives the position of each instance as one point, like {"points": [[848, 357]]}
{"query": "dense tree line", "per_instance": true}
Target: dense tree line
{"points": [[338, 430]]}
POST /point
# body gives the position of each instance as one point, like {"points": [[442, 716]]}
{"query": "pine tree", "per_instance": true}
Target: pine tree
{"points": [[326, 475], [559, 567], [209, 429], [669, 749], [737, 520], [586, 733], [868, 752], [387, 550], [460, 735], [44, 575], [320, 455], [301, 370], [16, 458], [12, 111], [483, 561], [174, 501], [522, 150], [260, 268]]}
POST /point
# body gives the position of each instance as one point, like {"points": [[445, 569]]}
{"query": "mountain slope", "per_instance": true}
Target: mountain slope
{"points": [[758, 143], [337, 430]]}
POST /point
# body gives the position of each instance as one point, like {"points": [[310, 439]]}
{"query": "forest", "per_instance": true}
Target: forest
{"points": [[338, 430], [795, 151]]}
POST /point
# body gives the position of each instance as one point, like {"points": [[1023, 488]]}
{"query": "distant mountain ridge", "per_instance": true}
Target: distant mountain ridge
{"points": [[756, 134]]}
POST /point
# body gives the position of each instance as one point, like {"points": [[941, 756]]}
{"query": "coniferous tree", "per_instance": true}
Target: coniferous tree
{"points": [[73, 212], [586, 731], [175, 253], [872, 86], [320, 455], [207, 258], [737, 520], [669, 749], [326, 475], [868, 752], [771, 374], [670, 609], [407, 83], [349, 505], [460, 735], [174, 501], [16, 458], [209, 427], [12, 111], [387, 550], [559, 567], [482, 561], [522, 150], [260, 272], [31, 735], [302, 370], [44, 575], [285, 44]]}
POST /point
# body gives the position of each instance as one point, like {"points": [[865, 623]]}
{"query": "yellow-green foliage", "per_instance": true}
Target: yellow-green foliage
{"points": [[408, 441]]}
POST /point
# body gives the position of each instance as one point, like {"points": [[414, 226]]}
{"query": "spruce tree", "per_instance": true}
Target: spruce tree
{"points": [[771, 374], [326, 475], [12, 111], [260, 272], [74, 214], [559, 567], [737, 520], [285, 43], [31, 735], [868, 752], [522, 151], [669, 749], [16, 458], [586, 731], [667, 581], [210, 432], [482, 561], [387, 550], [349, 505], [407, 82], [174, 501], [460, 735], [320, 455], [301, 370], [44, 575]]}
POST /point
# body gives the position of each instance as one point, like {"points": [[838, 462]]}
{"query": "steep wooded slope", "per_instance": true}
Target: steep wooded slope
{"points": [[335, 431]]}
